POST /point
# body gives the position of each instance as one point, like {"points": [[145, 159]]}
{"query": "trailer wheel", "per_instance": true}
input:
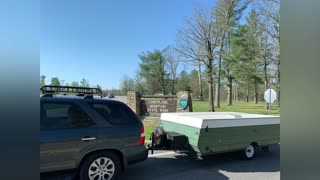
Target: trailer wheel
{"points": [[249, 152]]}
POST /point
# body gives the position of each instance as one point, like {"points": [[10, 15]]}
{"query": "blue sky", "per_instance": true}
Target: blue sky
{"points": [[99, 40]]}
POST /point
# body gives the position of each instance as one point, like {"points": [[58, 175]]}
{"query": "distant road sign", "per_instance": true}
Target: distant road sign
{"points": [[270, 95]]}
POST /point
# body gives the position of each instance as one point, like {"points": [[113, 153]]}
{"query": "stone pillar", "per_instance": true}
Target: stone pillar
{"points": [[185, 95], [133, 101]]}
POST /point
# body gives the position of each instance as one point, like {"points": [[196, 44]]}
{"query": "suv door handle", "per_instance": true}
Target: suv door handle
{"points": [[88, 138]]}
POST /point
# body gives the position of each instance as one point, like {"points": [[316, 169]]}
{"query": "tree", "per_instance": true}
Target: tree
{"points": [[269, 11], [42, 80], [183, 81], [99, 87], [246, 48], [197, 41], [84, 83], [254, 50], [55, 81], [227, 12], [265, 55], [75, 84], [127, 84], [194, 84], [152, 69], [172, 63], [229, 65], [139, 83]]}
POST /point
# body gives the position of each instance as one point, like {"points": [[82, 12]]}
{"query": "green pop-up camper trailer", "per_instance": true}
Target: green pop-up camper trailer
{"points": [[214, 132]]}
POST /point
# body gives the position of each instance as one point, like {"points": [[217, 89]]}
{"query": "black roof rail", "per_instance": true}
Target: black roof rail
{"points": [[79, 91]]}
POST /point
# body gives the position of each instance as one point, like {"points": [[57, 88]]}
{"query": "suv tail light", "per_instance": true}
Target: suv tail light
{"points": [[142, 136]]}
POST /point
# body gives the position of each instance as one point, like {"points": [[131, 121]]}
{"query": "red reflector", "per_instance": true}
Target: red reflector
{"points": [[142, 136]]}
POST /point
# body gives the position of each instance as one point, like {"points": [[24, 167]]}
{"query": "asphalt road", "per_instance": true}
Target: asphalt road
{"points": [[266, 166], [167, 165]]}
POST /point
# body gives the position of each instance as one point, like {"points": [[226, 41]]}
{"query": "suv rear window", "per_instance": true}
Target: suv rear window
{"points": [[64, 116], [114, 113]]}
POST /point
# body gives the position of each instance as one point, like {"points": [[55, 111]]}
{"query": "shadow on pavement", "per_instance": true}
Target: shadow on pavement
{"points": [[185, 167]]}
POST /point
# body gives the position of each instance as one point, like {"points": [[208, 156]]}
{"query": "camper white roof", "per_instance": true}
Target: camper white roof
{"points": [[219, 119]]}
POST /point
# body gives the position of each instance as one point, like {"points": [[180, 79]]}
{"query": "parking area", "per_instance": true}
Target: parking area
{"points": [[168, 165], [171, 166]]}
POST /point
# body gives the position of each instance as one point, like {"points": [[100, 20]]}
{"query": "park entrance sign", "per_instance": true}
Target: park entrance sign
{"points": [[270, 96], [155, 105]]}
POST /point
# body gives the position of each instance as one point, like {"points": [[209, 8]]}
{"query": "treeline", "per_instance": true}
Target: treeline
{"points": [[233, 60], [55, 81]]}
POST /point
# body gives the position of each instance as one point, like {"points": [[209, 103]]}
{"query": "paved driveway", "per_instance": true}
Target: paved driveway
{"points": [[172, 166], [167, 165]]}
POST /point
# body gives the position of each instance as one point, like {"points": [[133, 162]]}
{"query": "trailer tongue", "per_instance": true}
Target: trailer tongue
{"points": [[206, 133]]}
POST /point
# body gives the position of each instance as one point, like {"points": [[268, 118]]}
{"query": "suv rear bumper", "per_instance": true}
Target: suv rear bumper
{"points": [[136, 154]]}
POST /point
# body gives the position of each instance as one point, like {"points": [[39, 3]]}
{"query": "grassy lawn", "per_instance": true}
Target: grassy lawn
{"points": [[238, 106], [148, 130]]}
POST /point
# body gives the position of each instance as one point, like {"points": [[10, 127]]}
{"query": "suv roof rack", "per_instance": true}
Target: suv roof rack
{"points": [[80, 91]]}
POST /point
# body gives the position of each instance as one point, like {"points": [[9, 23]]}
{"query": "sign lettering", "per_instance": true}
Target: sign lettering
{"points": [[156, 107]]}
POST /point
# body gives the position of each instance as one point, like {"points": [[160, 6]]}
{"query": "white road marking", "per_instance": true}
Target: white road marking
{"points": [[161, 154]]}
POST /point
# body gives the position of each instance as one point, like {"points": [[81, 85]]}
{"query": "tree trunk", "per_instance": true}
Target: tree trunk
{"points": [[163, 86], [210, 76], [278, 81], [200, 83], [211, 104], [255, 91], [219, 72], [235, 87], [210, 83], [278, 87], [172, 87], [217, 100], [237, 92], [230, 92], [234, 94], [248, 91], [266, 82]]}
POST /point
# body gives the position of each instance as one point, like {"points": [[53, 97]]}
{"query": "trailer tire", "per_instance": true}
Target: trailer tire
{"points": [[250, 152]]}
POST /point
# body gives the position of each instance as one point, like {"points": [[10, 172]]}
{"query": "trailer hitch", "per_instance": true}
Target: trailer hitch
{"points": [[151, 146]]}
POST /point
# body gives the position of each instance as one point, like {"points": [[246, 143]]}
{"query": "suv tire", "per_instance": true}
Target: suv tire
{"points": [[101, 164]]}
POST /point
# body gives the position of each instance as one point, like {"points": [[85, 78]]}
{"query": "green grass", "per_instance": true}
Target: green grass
{"points": [[148, 130], [238, 106]]}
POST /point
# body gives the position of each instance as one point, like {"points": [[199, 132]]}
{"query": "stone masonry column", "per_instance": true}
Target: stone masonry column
{"points": [[186, 95], [133, 101]]}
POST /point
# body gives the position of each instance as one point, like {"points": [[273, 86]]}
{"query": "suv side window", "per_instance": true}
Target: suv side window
{"points": [[113, 113], [64, 116]]}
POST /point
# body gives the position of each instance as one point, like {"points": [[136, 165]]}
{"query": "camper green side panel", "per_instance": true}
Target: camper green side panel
{"points": [[232, 138], [191, 132]]}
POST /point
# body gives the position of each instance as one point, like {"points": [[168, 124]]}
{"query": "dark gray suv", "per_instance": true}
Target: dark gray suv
{"points": [[95, 136]]}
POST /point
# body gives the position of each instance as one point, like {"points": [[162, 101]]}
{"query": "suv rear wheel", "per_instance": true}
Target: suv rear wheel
{"points": [[101, 165]]}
